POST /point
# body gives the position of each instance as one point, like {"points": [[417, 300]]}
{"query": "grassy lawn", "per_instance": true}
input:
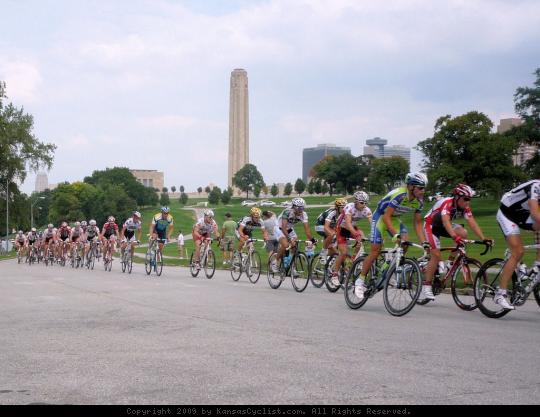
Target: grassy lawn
{"points": [[484, 211]]}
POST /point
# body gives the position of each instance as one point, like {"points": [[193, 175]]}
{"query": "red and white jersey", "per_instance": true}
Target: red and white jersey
{"points": [[446, 206], [49, 233], [350, 208], [206, 228], [109, 229], [77, 231], [64, 232]]}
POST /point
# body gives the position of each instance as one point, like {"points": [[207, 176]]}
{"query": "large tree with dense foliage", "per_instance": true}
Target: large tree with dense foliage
{"points": [[345, 172], [247, 178], [463, 149], [386, 172]]}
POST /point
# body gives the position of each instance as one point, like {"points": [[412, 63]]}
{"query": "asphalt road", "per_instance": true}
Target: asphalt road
{"points": [[92, 337]]}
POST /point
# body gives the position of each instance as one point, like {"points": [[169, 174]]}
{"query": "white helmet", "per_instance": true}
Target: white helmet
{"points": [[77, 224], [208, 213], [50, 225], [33, 230], [361, 197], [416, 178], [92, 222], [137, 214], [298, 202], [84, 224], [463, 190]]}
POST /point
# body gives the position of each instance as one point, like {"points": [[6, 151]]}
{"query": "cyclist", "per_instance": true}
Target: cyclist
{"points": [[48, 235], [204, 227], [326, 226], [109, 234], [284, 230], [248, 224], [401, 200], [31, 239], [270, 221], [62, 234], [128, 231], [20, 242], [347, 228], [519, 209], [92, 233], [77, 233], [438, 222], [162, 226]]}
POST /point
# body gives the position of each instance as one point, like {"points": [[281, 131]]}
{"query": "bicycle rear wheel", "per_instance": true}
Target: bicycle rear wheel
{"points": [[331, 260], [254, 268], [536, 291], [317, 272], [274, 278], [192, 267], [159, 263], [350, 284], [210, 264], [236, 266], [300, 272], [402, 287], [463, 284], [486, 284], [123, 262]]}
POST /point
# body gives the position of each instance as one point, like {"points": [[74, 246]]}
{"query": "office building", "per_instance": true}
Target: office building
{"points": [[310, 157]]}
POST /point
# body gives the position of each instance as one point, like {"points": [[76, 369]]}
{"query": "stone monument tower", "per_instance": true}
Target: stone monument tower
{"points": [[238, 123]]}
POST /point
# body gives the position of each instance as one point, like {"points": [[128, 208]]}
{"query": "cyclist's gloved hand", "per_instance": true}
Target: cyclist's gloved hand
{"points": [[313, 240], [488, 242], [426, 245], [458, 239], [396, 237]]}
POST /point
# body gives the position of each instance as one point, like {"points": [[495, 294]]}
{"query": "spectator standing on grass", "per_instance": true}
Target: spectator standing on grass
{"points": [[181, 248], [228, 236], [270, 221]]}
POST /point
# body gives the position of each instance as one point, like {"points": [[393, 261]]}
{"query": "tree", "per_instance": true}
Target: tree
{"points": [[182, 189], [299, 186], [463, 149], [226, 196], [311, 186], [386, 172], [318, 186], [288, 189], [527, 106], [207, 189], [164, 190], [257, 191], [199, 190], [247, 178], [164, 200], [265, 190], [325, 188], [347, 169], [173, 189], [274, 190], [214, 196], [183, 198], [19, 148]]}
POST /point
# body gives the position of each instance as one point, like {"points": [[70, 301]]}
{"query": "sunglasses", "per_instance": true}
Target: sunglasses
{"points": [[466, 199], [420, 188], [361, 202]]}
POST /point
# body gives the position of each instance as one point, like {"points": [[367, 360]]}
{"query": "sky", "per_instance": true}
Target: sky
{"points": [[145, 84]]}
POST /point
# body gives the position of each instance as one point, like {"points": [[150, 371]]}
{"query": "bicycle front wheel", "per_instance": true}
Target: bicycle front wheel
{"points": [[123, 263], [159, 263], [274, 278], [331, 260], [254, 267], [130, 263], [210, 264], [402, 288], [351, 298], [236, 266], [486, 284], [463, 284], [300, 272], [193, 269], [317, 272], [536, 291]]}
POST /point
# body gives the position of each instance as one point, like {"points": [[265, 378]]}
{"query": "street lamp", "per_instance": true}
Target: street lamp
{"points": [[32, 211]]}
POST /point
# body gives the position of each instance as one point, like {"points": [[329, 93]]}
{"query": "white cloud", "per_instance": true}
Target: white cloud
{"points": [[23, 79]]}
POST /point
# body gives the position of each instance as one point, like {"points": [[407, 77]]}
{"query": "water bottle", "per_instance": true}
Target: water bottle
{"points": [[442, 268], [522, 270]]}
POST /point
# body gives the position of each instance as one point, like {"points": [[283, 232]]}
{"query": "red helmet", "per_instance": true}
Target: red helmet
{"points": [[463, 190]]}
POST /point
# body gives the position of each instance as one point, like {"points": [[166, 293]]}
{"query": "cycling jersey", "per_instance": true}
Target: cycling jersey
{"points": [[131, 226], [160, 223], [515, 203], [92, 232], [356, 214], [64, 232], [206, 228], [292, 218], [109, 230], [249, 225], [76, 232], [445, 206], [330, 215], [32, 237]]}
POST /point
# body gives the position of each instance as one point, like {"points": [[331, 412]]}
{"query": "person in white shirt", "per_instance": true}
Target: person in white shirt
{"points": [[181, 248]]}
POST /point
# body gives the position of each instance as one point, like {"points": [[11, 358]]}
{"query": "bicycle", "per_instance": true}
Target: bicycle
{"points": [[486, 284], [107, 257], [207, 260], [32, 255], [297, 267], [459, 274], [345, 265], [248, 261], [92, 254], [127, 257], [399, 277], [76, 258], [49, 257], [154, 257]]}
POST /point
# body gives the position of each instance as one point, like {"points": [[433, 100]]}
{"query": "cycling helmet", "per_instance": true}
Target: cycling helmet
{"points": [[50, 226], [33, 230], [165, 209], [298, 202], [416, 178], [136, 214], [208, 213], [77, 224], [340, 202], [111, 219], [20, 232], [64, 224], [463, 190], [361, 197], [255, 211], [92, 222], [84, 224]]}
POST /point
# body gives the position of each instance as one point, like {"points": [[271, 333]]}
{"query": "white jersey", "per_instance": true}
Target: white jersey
{"points": [[292, 218], [350, 208], [206, 228], [131, 225], [515, 203]]}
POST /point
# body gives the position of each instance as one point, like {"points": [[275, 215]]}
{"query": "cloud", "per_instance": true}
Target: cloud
{"points": [[23, 79]]}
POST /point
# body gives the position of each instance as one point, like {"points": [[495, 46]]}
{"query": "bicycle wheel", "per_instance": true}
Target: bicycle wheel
{"points": [[148, 260], [130, 262], [300, 272], [236, 266], [486, 284], [536, 292], [192, 267], [123, 262], [463, 284], [210, 264], [274, 278], [159, 263], [254, 268], [317, 272], [402, 287], [92, 260], [350, 283]]}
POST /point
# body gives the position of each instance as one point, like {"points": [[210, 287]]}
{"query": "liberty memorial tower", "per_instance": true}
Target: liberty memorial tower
{"points": [[238, 123]]}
